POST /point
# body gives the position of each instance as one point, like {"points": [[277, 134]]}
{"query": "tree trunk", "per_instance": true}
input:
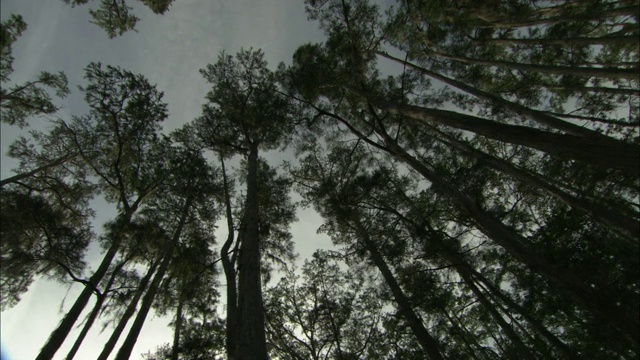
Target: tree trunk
{"points": [[628, 226], [515, 245], [467, 339], [251, 343], [466, 276], [18, 177], [601, 40], [230, 275], [601, 72], [127, 347], [175, 349], [94, 313], [581, 16], [563, 349], [113, 339], [535, 115], [428, 343], [596, 89], [604, 154], [597, 119], [58, 336]]}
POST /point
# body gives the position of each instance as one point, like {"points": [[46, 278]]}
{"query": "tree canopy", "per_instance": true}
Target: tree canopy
{"points": [[482, 197]]}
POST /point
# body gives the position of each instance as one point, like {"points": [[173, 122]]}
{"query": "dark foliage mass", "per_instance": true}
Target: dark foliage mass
{"points": [[482, 201]]}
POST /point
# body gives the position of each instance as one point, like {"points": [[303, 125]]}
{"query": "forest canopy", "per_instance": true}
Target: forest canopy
{"points": [[482, 198]]}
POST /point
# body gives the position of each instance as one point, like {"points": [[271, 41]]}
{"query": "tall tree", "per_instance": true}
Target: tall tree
{"points": [[118, 140], [184, 209], [243, 116]]}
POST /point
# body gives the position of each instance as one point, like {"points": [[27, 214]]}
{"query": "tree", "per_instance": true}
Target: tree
{"points": [[355, 32], [19, 102], [244, 115], [324, 312], [115, 17], [118, 140], [184, 211]]}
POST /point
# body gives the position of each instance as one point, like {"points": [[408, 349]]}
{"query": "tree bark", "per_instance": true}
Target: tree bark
{"points": [[131, 308], [230, 274], [428, 343], [251, 343], [604, 154]]}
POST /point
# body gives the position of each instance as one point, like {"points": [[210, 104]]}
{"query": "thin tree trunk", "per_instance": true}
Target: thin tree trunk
{"points": [[597, 89], [175, 349], [18, 177], [230, 274], [624, 157], [94, 313], [601, 72], [515, 245], [58, 336], [251, 343], [466, 339], [597, 119], [428, 343], [127, 347], [466, 276], [535, 115], [131, 308], [563, 349], [582, 16], [601, 40]]}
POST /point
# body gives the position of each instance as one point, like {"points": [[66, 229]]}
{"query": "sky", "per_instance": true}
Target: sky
{"points": [[168, 50]]}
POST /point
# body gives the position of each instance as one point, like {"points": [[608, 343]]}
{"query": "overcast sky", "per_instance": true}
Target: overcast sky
{"points": [[169, 50]]}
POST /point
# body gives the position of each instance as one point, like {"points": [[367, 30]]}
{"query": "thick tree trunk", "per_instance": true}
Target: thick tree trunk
{"points": [[127, 347], [627, 225], [131, 308], [251, 344], [604, 154], [94, 313], [175, 348], [230, 275], [428, 343], [515, 245], [58, 336]]}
